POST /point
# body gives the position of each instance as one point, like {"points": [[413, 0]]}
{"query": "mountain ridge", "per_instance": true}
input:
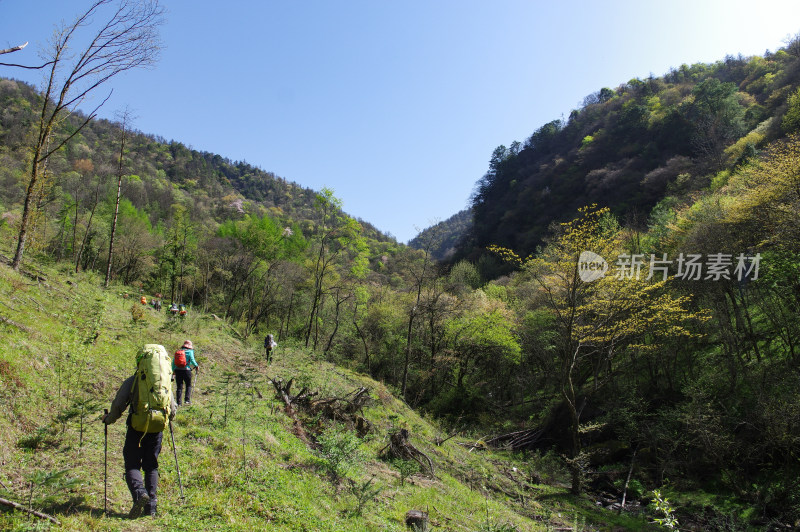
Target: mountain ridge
{"points": [[629, 148]]}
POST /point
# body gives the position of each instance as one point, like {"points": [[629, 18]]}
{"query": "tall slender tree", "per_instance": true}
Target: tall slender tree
{"points": [[420, 271], [128, 38], [337, 234], [125, 119]]}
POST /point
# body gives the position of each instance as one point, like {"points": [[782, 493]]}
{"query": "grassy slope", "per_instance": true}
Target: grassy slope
{"points": [[72, 341]]}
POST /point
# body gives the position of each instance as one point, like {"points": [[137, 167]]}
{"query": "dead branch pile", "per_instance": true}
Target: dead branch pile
{"points": [[516, 441], [17, 506], [346, 410], [291, 403], [400, 448]]}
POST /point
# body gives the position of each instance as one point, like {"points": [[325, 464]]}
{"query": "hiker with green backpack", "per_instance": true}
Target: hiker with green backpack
{"points": [[148, 392]]}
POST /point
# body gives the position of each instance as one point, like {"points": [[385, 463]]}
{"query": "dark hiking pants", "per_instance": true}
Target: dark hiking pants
{"points": [[183, 376], [143, 458]]}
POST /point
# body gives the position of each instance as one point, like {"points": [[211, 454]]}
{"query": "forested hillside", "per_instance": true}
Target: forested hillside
{"points": [[442, 238], [156, 173], [629, 147], [649, 343]]}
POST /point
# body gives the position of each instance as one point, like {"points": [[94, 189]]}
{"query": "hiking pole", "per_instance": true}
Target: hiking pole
{"points": [[175, 452], [105, 464]]}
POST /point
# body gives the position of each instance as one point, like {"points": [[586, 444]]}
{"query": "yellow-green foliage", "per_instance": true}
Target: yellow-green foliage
{"points": [[791, 120], [735, 151], [720, 179], [616, 308], [766, 195]]}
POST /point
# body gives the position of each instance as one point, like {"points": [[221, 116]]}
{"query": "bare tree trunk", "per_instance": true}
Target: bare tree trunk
{"points": [[568, 390], [27, 209], [288, 317], [339, 301], [75, 222], [366, 349], [319, 272], [183, 261], [316, 322], [88, 227], [408, 352], [125, 118]]}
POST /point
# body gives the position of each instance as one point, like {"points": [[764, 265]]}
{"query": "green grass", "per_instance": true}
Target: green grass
{"points": [[68, 342]]}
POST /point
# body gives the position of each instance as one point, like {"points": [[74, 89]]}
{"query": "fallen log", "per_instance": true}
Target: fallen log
{"points": [[13, 323], [17, 506], [516, 441]]}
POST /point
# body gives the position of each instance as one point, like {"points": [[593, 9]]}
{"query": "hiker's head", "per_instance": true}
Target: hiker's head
{"points": [[188, 344]]}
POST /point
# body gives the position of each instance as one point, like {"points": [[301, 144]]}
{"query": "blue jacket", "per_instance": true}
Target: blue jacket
{"points": [[190, 361]]}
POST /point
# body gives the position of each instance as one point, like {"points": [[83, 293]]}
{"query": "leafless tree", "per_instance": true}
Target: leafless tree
{"points": [[125, 119], [125, 38]]}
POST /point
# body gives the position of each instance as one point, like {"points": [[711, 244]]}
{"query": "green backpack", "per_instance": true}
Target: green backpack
{"points": [[151, 404]]}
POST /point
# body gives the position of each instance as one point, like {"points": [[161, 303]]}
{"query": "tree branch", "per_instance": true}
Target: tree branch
{"points": [[26, 66], [18, 506], [14, 49]]}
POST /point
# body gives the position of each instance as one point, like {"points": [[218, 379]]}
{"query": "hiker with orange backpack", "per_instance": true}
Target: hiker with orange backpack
{"points": [[182, 363], [152, 407]]}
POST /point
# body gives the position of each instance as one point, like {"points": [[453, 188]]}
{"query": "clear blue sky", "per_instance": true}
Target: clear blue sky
{"points": [[397, 105]]}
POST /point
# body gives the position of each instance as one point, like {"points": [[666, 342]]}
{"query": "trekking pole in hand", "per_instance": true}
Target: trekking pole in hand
{"points": [[175, 452], [105, 464]]}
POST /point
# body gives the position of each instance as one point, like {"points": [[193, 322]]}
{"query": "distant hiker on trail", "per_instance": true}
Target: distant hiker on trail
{"points": [[157, 305], [182, 364], [269, 345], [173, 309], [152, 408], [182, 310], [143, 300]]}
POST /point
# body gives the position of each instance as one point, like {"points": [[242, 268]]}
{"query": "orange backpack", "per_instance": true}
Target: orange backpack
{"points": [[180, 359]]}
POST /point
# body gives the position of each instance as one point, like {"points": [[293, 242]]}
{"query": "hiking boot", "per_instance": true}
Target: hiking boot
{"points": [[150, 509], [142, 501]]}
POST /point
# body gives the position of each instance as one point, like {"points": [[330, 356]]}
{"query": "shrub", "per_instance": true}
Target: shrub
{"points": [[339, 450]]}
